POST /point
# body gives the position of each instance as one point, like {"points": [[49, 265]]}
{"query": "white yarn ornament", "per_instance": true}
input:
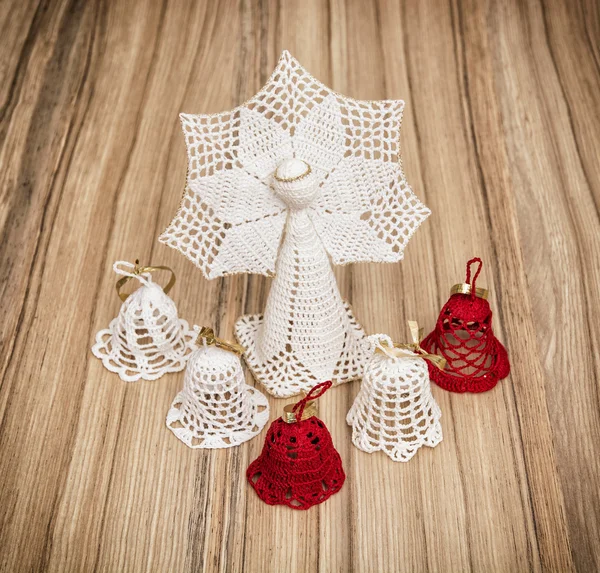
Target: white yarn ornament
{"points": [[394, 411], [326, 169], [216, 408], [147, 339]]}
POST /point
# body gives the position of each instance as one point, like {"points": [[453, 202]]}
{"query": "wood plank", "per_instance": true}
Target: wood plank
{"points": [[553, 192]]}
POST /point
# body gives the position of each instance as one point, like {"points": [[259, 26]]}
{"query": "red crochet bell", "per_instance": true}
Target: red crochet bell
{"points": [[463, 335], [298, 467]]}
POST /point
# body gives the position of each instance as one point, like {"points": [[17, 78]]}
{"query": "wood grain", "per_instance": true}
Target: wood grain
{"points": [[501, 139]]}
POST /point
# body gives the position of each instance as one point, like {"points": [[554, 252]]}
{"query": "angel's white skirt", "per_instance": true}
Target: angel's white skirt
{"points": [[308, 334]]}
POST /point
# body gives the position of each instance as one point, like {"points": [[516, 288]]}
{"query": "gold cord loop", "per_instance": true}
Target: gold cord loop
{"points": [[207, 336], [138, 271]]}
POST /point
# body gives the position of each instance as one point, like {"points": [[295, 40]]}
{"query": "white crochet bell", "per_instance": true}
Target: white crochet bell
{"points": [[216, 408], [394, 411], [147, 339], [296, 178]]}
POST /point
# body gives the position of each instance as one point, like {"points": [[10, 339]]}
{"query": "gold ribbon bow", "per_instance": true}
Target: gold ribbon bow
{"points": [[207, 335], [139, 271], [399, 350]]}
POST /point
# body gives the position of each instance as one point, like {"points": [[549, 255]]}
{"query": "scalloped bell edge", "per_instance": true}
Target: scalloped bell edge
{"points": [[107, 358], [217, 442]]}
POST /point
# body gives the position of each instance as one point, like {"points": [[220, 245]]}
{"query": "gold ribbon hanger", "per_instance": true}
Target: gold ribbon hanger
{"points": [[206, 335], [137, 271], [399, 350]]}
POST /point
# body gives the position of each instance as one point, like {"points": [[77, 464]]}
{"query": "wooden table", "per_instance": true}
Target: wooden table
{"points": [[501, 139]]}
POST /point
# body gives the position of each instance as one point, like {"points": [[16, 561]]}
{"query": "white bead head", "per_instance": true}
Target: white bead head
{"points": [[295, 183]]}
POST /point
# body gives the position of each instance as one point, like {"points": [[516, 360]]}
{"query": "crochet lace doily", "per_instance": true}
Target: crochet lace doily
{"points": [[216, 408], [394, 410], [147, 339], [353, 205]]}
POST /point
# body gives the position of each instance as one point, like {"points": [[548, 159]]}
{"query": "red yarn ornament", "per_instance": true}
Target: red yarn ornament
{"points": [[298, 467], [463, 335]]}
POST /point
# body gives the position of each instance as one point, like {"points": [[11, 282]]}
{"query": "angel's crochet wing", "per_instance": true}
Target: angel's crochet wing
{"points": [[229, 220], [366, 210]]}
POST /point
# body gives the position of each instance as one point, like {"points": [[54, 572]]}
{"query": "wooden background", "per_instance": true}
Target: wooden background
{"points": [[501, 140]]}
